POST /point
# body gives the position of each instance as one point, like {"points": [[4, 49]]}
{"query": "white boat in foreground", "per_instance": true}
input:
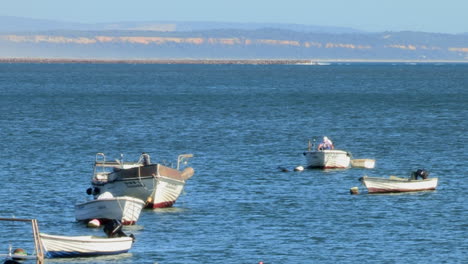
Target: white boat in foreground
{"points": [[397, 184], [125, 209], [158, 185], [84, 246]]}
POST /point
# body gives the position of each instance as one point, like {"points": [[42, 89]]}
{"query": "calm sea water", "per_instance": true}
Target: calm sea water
{"points": [[241, 122]]}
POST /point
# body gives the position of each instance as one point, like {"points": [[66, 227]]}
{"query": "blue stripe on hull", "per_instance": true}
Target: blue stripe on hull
{"points": [[74, 254]]}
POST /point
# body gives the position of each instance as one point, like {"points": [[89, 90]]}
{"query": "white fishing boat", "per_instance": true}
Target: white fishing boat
{"points": [[125, 209], [326, 157], [84, 246], [158, 185], [397, 184]]}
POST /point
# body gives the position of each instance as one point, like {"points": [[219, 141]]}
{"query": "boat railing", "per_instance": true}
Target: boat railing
{"points": [[183, 158], [103, 163], [38, 247], [116, 164], [311, 146]]}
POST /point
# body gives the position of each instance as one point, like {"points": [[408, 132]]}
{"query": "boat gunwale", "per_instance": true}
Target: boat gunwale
{"points": [[329, 151], [397, 180], [119, 198], [85, 239]]}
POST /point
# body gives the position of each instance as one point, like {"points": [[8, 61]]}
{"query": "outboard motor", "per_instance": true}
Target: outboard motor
{"points": [[146, 159], [114, 229], [96, 191], [422, 173], [93, 191]]}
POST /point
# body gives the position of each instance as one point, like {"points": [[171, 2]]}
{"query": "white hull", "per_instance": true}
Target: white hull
{"points": [[363, 163], [157, 192], [161, 189], [327, 159], [81, 246], [159, 186], [126, 209], [167, 192], [394, 184], [140, 188]]}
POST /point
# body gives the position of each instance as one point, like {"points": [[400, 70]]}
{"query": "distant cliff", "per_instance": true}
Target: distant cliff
{"points": [[232, 43]]}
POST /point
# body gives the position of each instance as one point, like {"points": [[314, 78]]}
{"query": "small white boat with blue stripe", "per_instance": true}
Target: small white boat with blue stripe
{"points": [[84, 246], [116, 242]]}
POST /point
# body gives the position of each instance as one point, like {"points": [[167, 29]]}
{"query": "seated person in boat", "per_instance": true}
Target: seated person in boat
{"points": [[326, 144]]}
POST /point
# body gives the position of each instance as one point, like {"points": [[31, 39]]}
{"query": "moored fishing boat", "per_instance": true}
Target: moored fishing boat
{"points": [[326, 157], [125, 209], [84, 246], [397, 184], [158, 185], [116, 242]]}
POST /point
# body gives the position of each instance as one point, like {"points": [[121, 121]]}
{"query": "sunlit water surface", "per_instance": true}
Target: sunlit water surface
{"points": [[241, 122]]}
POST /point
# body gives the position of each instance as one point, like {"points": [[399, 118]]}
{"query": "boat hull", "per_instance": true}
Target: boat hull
{"points": [[126, 209], [166, 193], [159, 186], [327, 159], [84, 246], [384, 185], [138, 188]]}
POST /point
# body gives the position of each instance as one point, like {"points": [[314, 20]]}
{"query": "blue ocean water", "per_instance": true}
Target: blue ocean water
{"points": [[241, 122]]}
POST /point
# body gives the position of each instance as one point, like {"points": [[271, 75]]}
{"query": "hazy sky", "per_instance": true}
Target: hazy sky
{"points": [[447, 16]]}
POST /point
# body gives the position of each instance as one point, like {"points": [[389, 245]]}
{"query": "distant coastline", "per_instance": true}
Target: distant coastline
{"points": [[211, 61], [38, 41]]}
